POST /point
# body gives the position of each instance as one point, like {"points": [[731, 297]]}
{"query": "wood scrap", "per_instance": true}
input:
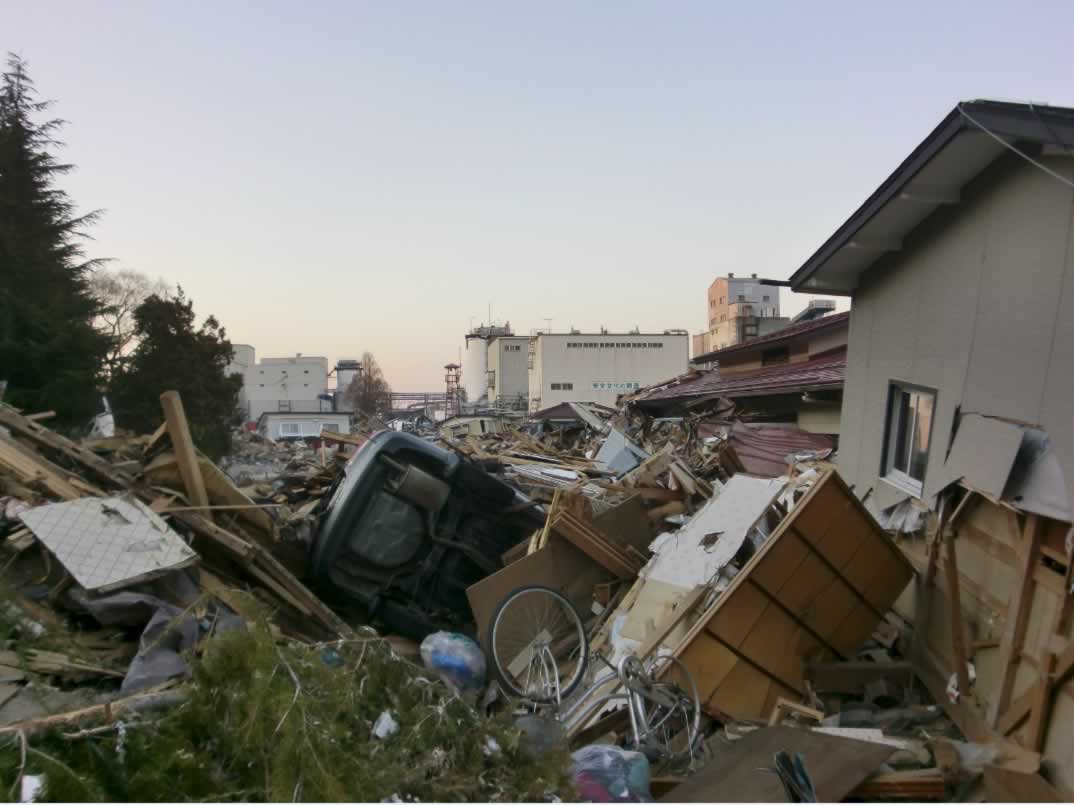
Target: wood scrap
{"points": [[916, 785]]}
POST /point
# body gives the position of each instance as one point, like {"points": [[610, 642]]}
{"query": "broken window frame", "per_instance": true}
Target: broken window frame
{"points": [[902, 468]]}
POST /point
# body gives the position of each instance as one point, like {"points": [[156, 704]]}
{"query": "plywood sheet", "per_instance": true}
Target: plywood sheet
{"points": [[741, 769], [815, 590]]}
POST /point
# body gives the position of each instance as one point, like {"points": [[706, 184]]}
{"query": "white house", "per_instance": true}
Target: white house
{"points": [[279, 426]]}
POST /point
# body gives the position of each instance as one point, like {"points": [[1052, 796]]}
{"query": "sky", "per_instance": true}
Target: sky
{"points": [[335, 177]]}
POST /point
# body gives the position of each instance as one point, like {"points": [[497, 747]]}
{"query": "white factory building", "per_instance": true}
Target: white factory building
{"points": [[297, 384], [501, 369]]}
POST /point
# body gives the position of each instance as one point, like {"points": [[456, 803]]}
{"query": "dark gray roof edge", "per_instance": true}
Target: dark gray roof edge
{"points": [[1017, 121]]}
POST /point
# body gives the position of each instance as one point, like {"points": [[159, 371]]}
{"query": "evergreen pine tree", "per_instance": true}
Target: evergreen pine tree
{"points": [[174, 354], [50, 353]]}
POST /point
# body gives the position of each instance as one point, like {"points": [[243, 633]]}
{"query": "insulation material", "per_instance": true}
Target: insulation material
{"points": [[815, 590], [694, 555], [108, 543]]}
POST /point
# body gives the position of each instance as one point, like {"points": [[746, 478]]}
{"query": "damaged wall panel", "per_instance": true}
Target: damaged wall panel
{"points": [[989, 544], [815, 590]]}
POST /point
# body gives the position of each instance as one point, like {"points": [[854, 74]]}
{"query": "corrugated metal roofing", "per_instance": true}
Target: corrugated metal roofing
{"points": [[826, 371], [763, 450], [793, 331]]}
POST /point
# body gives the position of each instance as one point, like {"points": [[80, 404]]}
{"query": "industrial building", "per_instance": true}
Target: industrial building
{"points": [[598, 367], [506, 372]]}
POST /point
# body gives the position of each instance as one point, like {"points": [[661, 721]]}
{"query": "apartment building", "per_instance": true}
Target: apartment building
{"points": [[739, 308]]}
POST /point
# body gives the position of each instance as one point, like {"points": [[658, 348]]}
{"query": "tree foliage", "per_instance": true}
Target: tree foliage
{"points": [[172, 353], [269, 720], [119, 293], [50, 353], [369, 392]]}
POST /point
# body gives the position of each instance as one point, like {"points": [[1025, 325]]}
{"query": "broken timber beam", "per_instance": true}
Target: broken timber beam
{"points": [[185, 454], [41, 435], [1018, 607]]}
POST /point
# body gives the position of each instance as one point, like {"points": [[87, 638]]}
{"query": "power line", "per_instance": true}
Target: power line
{"points": [[1018, 151]]}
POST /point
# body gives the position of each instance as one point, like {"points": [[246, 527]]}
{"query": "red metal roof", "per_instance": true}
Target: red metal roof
{"points": [[827, 371], [795, 330], [763, 450]]}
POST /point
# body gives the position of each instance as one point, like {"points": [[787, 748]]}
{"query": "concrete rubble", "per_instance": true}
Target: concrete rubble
{"points": [[772, 591]]}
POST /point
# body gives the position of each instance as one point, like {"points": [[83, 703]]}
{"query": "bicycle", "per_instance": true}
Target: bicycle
{"points": [[539, 650]]}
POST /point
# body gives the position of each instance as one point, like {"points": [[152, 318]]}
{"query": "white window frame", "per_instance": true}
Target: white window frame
{"points": [[289, 429], [896, 477]]}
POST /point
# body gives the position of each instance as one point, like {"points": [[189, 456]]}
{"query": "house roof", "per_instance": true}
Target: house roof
{"points": [[564, 411], [970, 138], [786, 334], [825, 371]]}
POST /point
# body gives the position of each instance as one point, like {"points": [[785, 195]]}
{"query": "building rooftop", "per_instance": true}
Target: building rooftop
{"points": [[788, 333], [826, 371], [969, 139]]}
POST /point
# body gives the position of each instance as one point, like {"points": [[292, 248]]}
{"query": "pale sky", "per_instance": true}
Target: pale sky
{"points": [[329, 178]]}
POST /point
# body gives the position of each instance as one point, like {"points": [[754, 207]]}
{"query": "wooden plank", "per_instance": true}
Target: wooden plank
{"points": [[915, 785], [1023, 705], [1005, 785], [31, 468], [343, 438], [958, 632], [185, 454], [1042, 705], [785, 707], [595, 546], [40, 416], [741, 770], [329, 619], [1018, 608], [139, 702], [41, 435]]}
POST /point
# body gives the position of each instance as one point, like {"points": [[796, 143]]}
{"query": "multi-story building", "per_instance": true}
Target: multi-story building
{"points": [[598, 367], [508, 372], [298, 384], [739, 308]]}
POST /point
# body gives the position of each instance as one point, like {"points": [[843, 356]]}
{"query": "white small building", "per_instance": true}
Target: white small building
{"points": [[508, 372], [598, 367], [281, 426], [298, 384], [459, 427]]}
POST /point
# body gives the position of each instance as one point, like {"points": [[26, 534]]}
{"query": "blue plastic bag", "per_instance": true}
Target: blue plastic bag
{"points": [[456, 659], [603, 773]]}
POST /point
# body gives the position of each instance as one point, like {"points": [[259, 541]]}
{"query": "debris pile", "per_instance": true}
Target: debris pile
{"points": [[732, 600]]}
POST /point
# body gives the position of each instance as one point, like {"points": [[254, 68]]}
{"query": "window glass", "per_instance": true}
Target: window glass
{"points": [[910, 419], [389, 532]]}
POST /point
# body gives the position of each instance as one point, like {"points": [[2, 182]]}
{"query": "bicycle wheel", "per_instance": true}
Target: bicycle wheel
{"points": [[668, 717], [538, 644]]}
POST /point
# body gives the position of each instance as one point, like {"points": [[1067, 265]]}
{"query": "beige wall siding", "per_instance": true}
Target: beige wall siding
{"points": [[971, 307]]}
